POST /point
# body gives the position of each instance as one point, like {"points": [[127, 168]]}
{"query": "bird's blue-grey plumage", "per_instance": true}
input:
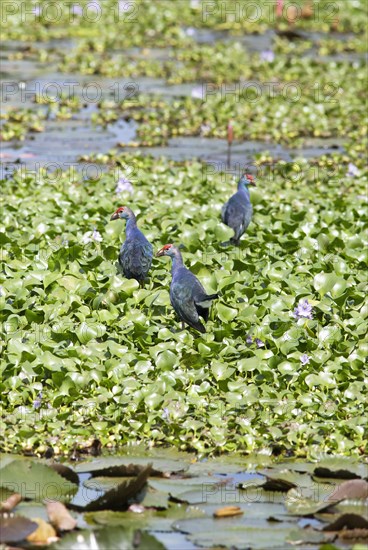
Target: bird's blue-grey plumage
{"points": [[187, 295], [136, 253], [237, 212]]}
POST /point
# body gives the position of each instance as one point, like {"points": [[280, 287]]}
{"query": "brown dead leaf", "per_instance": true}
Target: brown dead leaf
{"points": [[44, 534], [10, 503], [15, 528], [60, 516], [120, 497], [352, 489], [228, 511], [66, 472], [347, 521]]}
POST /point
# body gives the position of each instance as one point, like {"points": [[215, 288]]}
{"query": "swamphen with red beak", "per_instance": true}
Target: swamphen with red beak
{"points": [[136, 253], [187, 295], [237, 212]]}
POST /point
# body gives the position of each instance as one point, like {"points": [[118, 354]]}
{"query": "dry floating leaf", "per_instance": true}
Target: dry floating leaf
{"points": [[228, 511], [44, 534], [60, 516], [11, 502], [352, 489]]}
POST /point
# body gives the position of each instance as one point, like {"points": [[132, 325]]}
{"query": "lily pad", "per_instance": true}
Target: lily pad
{"points": [[352, 507], [148, 519], [254, 511], [109, 537], [229, 494], [218, 465], [243, 538], [175, 487], [307, 502], [36, 481]]}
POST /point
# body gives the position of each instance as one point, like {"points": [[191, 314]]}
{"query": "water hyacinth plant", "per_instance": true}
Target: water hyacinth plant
{"points": [[116, 344]]}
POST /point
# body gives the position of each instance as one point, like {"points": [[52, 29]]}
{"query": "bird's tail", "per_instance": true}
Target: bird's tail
{"points": [[207, 299]]}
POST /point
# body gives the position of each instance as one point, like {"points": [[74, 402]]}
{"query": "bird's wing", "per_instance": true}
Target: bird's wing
{"points": [[136, 256], [234, 212], [181, 295], [195, 293]]}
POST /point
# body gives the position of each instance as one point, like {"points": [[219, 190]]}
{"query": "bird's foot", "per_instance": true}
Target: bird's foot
{"points": [[177, 330], [226, 243], [235, 242]]}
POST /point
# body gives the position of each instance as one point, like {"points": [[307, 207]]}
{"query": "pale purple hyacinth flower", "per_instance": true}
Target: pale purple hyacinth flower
{"points": [[190, 31], [37, 402], [205, 129], [353, 171], [36, 11], [304, 359], [165, 414], [123, 184], [249, 339], [259, 343], [197, 93], [92, 236], [268, 56], [96, 236], [303, 310], [86, 237]]}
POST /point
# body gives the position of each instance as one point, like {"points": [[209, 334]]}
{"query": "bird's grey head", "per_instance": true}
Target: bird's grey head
{"points": [[247, 179], [167, 250], [122, 212]]}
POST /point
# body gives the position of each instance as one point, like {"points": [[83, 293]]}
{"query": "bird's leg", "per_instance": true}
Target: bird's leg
{"points": [[141, 283], [182, 325]]}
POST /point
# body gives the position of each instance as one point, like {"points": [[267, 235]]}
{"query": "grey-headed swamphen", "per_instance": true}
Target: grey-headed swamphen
{"points": [[237, 212], [136, 253], [187, 295]]}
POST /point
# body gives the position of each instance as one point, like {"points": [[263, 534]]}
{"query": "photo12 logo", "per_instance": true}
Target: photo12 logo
{"points": [[54, 92], [253, 91], [271, 11], [51, 11]]}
